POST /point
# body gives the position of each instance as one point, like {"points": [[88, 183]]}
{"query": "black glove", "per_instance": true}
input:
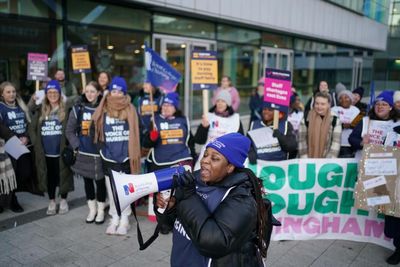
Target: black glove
{"points": [[276, 133], [397, 129], [185, 186]]}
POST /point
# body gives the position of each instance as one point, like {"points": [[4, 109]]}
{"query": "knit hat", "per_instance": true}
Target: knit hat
{"points": [[225, 96], [172, 98], [118, 83], [339, 88], [348, 93], [233, 146], [386, 96], [53, 84], [396, 96], [359, 90]]}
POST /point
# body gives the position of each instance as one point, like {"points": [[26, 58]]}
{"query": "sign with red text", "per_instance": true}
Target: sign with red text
{"points": [[37, 67], [313, 199], [80, 59], [278, 89]]}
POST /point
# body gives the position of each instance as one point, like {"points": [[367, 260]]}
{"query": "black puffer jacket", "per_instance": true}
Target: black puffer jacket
{"points": [[228, 234]]}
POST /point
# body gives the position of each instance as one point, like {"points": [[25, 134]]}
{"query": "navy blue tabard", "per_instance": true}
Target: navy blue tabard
{"points": [[144, 109], [14, 118], [83, 114], [51, 132], [116, 138]]}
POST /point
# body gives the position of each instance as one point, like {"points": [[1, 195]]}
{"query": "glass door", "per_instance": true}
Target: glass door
{"points": [[356, 79], [177, 52], [276, 58]]}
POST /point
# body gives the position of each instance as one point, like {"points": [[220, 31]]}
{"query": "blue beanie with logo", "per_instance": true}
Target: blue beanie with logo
{"points": [[233, 146], [118, 83], [173, 99], [386, 96], [53, 84]]}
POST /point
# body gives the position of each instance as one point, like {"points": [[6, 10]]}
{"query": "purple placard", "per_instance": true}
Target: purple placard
{"points": [[37, 67], [278, 89]]}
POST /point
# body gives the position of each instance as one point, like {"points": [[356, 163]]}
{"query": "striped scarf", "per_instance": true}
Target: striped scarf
{"points": [[8, 181]]}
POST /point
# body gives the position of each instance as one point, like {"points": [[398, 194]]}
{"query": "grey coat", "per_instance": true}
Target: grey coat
{"points": [[88, 166]]}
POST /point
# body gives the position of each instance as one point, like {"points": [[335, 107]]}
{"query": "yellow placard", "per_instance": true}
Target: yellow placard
{"points": [[167, 134], [80, 61], [204, 71]]}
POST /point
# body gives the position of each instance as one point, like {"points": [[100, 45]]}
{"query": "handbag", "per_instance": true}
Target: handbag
{"points": [[68, 156]]}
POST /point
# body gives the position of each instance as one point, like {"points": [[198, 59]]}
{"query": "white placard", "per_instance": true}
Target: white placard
{"points": [[373, 201], [374, 182], [15, 148], [263, 137], [381, 155], [380, 166]]}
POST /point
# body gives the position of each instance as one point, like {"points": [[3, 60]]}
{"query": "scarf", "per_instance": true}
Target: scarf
{"points": [[318, 130], [120, 105], [8, 181]]}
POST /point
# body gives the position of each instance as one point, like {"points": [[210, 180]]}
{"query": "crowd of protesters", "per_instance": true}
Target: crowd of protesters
{"points": [[105, 129]]}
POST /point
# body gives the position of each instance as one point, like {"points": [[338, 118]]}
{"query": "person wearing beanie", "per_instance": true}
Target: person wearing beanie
{"points": [[116, 129], [256, 101], [358, 94], [220, 120], [346, 113], [226, 85], [396, 100], [377, 128], [295, 113], [221, 193], [268, 143], [48, 132]]}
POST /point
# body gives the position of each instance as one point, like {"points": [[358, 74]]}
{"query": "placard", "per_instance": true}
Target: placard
{"points": [[80, 59], [278, 89], [37, 67], [204, 70]]}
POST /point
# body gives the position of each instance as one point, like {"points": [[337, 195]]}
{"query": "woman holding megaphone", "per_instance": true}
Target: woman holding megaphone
{"points": [[117, 129], [218, 214]]}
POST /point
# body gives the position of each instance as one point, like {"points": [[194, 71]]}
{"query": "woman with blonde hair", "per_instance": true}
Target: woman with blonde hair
{"points": [[117, 131], [14, 114], [48, 137]]}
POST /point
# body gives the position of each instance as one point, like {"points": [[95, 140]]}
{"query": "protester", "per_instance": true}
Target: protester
{"points": [[8, 181], [346, 113], [49, 140], [270, 144], [296, 113], [15, 115], [358, 94], [226, 84], [217, 212], [339, 87], [219, 121], [88, 161], [323, 88], [117, 130], [320, 131], [382, 118], [396, 100], [256, 101], [103, 80], [67, 88], [171, 141]]}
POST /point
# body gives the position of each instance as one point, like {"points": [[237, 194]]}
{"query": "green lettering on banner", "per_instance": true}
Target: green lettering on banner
{"points": [[293, 204], [294, 177], [347, 202], [324, 172], [278, 202], [330, 206], [273, 177], [351, 175], [363, 212]]}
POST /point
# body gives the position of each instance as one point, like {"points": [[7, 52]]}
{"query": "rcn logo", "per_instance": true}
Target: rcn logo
{"points": [[129, 189], [11, 115]]}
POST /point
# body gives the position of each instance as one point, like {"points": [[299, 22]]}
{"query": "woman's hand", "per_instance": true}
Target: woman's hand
{"points": [[365, 140], [24, 140], [162, 203], [204, 121], [34, 97]]}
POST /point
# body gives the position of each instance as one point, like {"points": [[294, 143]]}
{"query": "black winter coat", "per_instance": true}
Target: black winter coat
{"points": [[228, 234]]}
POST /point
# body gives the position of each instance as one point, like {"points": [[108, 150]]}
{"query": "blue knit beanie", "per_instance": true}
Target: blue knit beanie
{"points": [[53, 84], [234, 147], [173, 99], [386, 96], [118, 83]]}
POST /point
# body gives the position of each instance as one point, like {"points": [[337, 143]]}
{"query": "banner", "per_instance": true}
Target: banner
{"points": [[204, 69], [37, 67], [313, 199], [278, 88], [159, 72], [80, 59]]}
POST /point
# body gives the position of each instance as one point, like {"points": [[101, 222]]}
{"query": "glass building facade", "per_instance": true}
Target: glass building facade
{"points": [[115, 34]]}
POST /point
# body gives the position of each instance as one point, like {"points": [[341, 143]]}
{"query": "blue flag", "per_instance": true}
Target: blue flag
{"points": [[159, 72], [372, 96]]}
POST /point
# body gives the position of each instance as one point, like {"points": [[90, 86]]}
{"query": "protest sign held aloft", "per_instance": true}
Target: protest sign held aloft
{"points": [[204, 69]]}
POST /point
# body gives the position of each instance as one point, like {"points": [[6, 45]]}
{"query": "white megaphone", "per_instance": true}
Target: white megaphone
{"points": [[127, 188]]}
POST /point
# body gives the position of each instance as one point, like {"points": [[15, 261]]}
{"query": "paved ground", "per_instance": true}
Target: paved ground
{"points": [[32, 239]]}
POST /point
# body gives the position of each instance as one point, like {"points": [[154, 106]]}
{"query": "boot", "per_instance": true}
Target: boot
{"points": [[394, 259], [92, 204], [112, 227], [14, 205], [123, 226], [100, 212], [63, 206]]}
